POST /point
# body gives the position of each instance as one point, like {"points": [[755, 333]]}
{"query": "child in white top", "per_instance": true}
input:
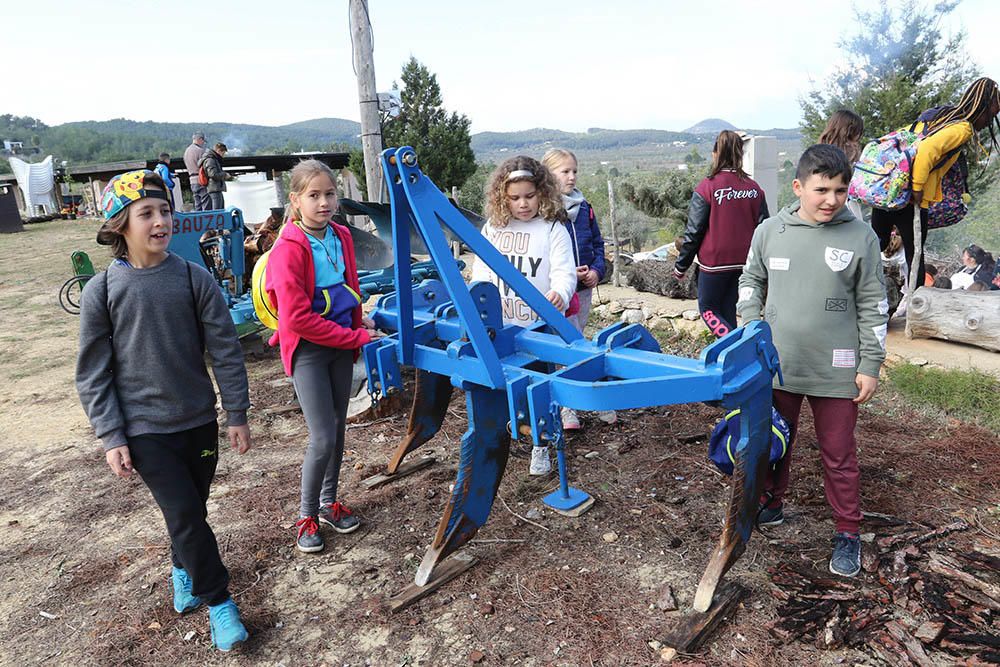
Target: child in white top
{"points": [[524, 210], [525, 213]]}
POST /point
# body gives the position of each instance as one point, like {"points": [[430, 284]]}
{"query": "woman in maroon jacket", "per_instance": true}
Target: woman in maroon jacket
{"points": [[725, 209]]}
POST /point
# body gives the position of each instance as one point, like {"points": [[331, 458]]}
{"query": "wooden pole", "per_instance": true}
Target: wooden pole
{"points": [[364, 68], [614, 235], [918, 253], [456, 246], [279, 189]]}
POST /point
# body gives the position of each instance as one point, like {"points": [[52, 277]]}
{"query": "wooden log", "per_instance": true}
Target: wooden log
{"points": [[443, 573], [283, 409], [947, 567], [914, 649], [692, 629], [955, 315], [407, 468], [981, 560]]}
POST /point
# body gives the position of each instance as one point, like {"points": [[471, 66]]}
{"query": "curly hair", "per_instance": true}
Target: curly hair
{"points": [[550, 206]]}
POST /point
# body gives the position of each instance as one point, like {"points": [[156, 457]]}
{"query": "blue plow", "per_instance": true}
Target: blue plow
{"points": [[453, 335]]}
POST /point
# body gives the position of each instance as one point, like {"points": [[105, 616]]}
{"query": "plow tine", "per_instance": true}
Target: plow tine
{"points": [[750, 471], [483, 458], [431, 396]]}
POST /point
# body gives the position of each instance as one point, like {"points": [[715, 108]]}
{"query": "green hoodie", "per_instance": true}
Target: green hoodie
{"points": [[822, 290]]}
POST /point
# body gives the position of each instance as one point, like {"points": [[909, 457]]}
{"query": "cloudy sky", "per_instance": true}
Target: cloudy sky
{"points": [[507, 65]]}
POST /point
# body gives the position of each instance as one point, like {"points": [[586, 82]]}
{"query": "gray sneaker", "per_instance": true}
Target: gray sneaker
{"points": [[771, 516], [846, 560], [309, 540], [337, 516]]}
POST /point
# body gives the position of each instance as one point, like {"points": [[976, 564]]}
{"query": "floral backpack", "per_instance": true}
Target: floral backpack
{"points": [[881, 176], [954, 197]]}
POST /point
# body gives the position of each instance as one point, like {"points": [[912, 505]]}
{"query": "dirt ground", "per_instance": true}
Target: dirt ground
{"points": [[84, 562]]}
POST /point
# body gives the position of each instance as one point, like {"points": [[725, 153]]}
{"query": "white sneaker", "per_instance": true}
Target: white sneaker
{"points": [[570, 421], [540, 463]]}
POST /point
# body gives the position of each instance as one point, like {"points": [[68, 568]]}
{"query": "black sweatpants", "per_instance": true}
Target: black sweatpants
{"points": [[717, 297], [178, 469], [902, 219]]}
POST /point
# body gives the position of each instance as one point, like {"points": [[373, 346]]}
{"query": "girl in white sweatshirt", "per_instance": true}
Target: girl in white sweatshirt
{"points": [[525, 213]]}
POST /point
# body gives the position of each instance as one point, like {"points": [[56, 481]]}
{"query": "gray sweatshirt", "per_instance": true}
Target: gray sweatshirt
{"points": [[142, 370], [822, 290]]}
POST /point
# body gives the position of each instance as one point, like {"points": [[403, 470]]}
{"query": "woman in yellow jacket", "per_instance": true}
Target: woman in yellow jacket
{"points": [[947, 132]]}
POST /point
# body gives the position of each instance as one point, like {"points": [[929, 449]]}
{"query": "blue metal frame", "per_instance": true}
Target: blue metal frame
{"points": [[456, 331]]}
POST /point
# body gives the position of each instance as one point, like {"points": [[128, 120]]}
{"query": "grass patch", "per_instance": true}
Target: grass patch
{"points": [[970, 394]]}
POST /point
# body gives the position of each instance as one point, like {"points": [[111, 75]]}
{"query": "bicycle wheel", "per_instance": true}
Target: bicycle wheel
{"points": [[69, 294]]}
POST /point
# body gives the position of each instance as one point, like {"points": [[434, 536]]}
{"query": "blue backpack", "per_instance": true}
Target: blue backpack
{"points": [[726, 435]]}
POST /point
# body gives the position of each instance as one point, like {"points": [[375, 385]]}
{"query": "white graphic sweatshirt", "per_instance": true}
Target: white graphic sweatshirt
{"points": [[542, 251]]}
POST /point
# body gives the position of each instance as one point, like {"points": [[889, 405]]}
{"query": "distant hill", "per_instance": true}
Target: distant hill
{"points": [[121, 139], [88, 142], [593, 139], [710, 126]]}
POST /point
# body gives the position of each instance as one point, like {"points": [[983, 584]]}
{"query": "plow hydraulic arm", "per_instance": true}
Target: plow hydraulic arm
{"points": [[453, 334]]}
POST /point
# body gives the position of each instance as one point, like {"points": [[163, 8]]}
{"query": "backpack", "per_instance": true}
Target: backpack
{"points": [[202, 176], [265, 310], [726, 434], [881, 175], [952, 207]]}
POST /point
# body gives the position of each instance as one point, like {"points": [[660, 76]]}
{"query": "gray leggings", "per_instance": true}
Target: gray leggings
{"points": [[322, 379]]}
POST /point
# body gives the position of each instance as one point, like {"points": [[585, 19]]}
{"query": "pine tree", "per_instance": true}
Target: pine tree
{"points": [[441, 140]]}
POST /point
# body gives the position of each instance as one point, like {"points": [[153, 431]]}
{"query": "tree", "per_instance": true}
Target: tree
{"points": [[899, 63], [442, 141], [694, 158], [669, 201]]}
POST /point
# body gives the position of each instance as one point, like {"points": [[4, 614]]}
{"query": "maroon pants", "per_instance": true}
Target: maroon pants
{"points": [[835, 419]]}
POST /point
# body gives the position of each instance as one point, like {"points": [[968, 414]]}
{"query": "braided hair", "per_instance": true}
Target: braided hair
{"points": [[975, 107]]}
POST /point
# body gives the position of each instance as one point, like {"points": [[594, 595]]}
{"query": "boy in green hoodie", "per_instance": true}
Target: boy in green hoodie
{"points": [[814, 274]]}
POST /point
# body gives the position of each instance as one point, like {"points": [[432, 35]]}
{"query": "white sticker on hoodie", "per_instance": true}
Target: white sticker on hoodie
{"points": [[778, 263], [838, 259]]}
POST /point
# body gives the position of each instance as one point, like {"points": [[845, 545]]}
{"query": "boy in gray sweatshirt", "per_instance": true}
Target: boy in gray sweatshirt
{"points": [[145, 325], [814, 274]]}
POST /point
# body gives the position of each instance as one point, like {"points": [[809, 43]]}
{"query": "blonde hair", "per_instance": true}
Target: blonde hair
{"points": [[556, 156], [550, 206], [301, 175]]}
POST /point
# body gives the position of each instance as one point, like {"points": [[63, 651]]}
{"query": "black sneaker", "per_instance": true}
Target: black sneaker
{"points": [[846, 559], [309, 540], [337, 516], [771, 516]]}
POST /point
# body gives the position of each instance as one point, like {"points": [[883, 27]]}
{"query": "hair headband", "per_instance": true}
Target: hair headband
{"points": [[519, 173]]}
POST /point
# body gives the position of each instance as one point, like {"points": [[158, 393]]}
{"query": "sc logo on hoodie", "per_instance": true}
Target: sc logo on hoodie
{"points": [[837, 259]]}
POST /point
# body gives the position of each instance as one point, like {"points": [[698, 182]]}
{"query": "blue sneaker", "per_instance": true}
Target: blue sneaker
{"points": [[184, 601], [227, 628], [846, 560]]}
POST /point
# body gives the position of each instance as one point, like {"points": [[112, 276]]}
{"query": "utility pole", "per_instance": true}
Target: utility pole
{"points": [[364, 68]]}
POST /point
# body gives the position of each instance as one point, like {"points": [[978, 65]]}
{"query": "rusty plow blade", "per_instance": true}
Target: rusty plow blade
{"points": [[749, 474], [482, 461], [431, 396]]}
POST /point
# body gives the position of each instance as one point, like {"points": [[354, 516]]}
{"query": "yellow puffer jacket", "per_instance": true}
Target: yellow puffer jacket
{"points": [[926, 179]]}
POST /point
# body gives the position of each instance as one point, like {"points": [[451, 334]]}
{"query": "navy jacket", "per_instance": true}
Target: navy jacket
{"points": [[588, 244]]}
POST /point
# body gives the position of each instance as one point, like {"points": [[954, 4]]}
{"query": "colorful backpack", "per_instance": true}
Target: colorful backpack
{"points": [[952, 207], [726, 434], [881, 176]]}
